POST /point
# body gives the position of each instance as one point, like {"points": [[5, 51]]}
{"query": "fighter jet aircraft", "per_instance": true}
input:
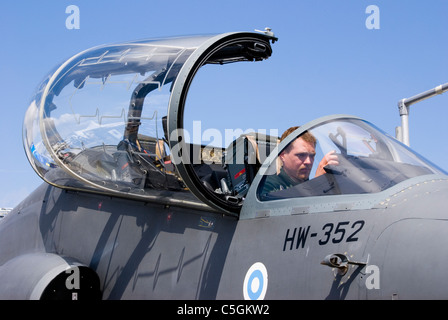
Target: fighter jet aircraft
{"points": [[132, 208]]}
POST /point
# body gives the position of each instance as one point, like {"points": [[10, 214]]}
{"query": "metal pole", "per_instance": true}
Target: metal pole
{"points": [[404, 104], [405, 129]]}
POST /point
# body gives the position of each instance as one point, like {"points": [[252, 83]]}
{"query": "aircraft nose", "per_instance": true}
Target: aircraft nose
{"points": [[410, 258], [410, 242]]}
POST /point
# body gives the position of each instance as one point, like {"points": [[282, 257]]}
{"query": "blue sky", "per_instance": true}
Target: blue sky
{"points": [[326, 62]]}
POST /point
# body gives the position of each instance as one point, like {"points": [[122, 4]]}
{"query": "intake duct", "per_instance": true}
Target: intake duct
{"points": [[47, 276]]}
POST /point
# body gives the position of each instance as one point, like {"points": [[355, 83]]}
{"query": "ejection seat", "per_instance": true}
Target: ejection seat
{"points": [[242, 160]]}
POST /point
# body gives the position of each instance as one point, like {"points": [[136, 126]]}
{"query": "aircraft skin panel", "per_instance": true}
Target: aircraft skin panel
{"points": [[154, 252], [22, 216], [138, 251], [291, 248], [406, 245], [383, 238]]}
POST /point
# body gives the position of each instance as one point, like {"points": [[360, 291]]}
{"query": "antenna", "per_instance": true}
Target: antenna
{"points": [[268, 31]]}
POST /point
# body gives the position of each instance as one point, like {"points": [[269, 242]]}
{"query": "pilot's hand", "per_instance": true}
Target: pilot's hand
{"points": [[330, 159]]}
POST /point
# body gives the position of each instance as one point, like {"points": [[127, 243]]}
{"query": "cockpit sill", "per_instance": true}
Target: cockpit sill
{"points": [[342, 203]]}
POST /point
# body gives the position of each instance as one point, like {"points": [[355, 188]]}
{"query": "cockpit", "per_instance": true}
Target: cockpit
{"points": [[368, 161], [110, 120]]}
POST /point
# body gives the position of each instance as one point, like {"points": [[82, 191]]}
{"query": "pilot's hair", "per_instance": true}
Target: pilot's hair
{"points": [[307, 136]]}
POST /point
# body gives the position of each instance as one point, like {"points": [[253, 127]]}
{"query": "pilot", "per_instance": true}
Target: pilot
{"points": [[297, 160]]}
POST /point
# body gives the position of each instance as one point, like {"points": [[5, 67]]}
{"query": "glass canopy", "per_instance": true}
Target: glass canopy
{"points": [[108, 118], [368, 161]]}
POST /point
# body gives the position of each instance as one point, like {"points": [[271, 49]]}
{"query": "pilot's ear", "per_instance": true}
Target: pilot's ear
{"points": [[281, 155]]}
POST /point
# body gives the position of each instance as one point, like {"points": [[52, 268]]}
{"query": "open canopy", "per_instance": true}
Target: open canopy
{"points": [[110, 119]]}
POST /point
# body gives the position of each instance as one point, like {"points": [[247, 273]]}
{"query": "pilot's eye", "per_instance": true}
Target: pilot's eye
{"points": [[304, 155]]}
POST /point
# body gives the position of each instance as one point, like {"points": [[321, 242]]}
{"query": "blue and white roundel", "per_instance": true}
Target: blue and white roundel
{"points": [[255, 282]]}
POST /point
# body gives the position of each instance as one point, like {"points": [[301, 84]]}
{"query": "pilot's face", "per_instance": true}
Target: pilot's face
{"points": [[298, 159]]}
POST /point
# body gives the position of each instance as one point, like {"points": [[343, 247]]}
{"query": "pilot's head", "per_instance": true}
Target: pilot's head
{"points": [[298, 156]]}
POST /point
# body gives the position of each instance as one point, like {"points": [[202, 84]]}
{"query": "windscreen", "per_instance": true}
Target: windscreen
{"points": [[342, 156]]}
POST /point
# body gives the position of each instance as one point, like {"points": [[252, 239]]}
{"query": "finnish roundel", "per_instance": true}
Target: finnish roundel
{"points": [[255, 282]]}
